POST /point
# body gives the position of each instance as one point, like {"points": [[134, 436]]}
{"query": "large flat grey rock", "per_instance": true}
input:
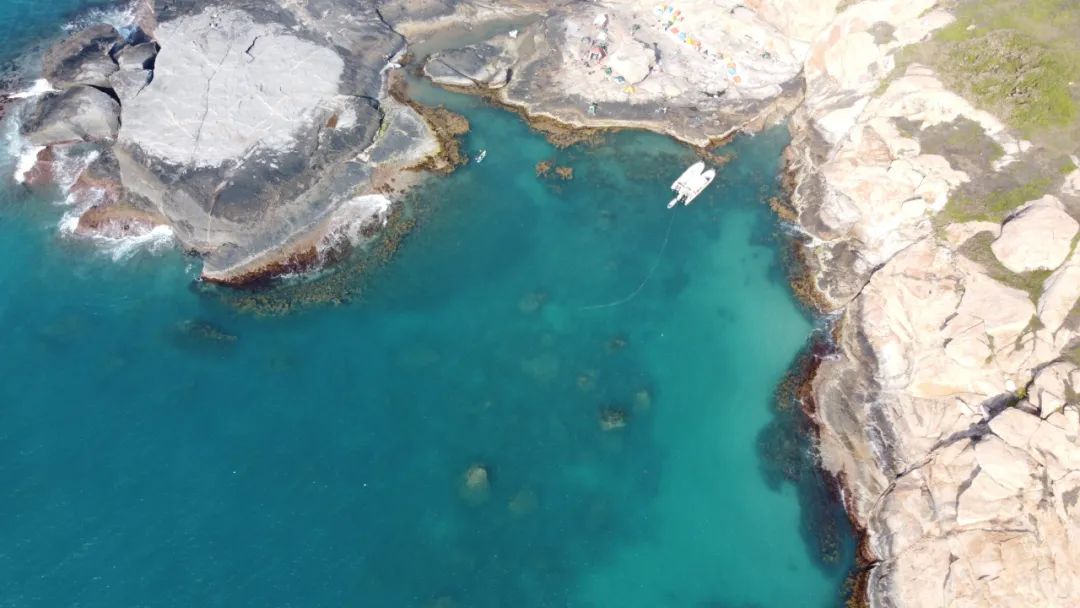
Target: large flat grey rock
{"points": [[484, 65], [227, 86]]}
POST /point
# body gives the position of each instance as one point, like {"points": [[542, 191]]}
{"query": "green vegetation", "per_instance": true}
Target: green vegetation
{"points": [[993, 206], [963, 141], [1073, 355], [977, 249], [1017, 59], [1067, 166], [1034, 325], [1020, 61]]}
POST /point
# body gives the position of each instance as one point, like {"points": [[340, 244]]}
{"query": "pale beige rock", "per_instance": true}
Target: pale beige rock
{"points": [[1038, 236], [1060, 293], [965, 502], [1053, 386], [1007, 466], [958, 234], [1071, 186]]}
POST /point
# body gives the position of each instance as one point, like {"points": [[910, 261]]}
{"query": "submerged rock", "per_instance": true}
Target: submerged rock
{"points": [[524, 502], [475, 484], [617, 343], [586, 381], [643, 400], [613, 418], [532, 302], [202, 337]]}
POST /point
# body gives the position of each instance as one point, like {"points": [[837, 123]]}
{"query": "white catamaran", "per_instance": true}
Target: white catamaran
{"points": [[691, 183]]}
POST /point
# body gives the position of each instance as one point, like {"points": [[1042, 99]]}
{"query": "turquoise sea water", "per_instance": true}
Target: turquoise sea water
{"points": [[159, 448]]}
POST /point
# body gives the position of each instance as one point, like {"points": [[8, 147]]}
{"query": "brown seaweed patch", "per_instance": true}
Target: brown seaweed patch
{"points": [[336, 286], [786, 447], [783, 209], [558, 133], [198, 335], [448, 128]]}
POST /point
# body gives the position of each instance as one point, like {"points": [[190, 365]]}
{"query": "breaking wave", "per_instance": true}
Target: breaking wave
{"points": [[355, 222], [154, 241], [67, 165], [122, 17], [40, 87]]}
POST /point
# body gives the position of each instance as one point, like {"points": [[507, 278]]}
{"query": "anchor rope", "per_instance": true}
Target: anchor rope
{"points": [[648, 277]]}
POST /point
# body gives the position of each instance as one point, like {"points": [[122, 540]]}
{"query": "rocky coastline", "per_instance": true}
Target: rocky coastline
{"points": [[947, 406], [947, 409]]}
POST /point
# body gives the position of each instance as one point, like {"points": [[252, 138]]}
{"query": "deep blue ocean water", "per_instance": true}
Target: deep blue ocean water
{"points": [[159, 447]]}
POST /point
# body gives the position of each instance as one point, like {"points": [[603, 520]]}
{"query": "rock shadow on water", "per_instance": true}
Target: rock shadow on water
{"points": [[787, 455]]}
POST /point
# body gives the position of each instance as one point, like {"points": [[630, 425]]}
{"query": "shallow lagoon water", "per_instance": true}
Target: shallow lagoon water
{"points": [[160, 448]]}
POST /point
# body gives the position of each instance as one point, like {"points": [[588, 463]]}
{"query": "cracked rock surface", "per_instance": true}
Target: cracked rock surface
{"points": [[242, 124]]}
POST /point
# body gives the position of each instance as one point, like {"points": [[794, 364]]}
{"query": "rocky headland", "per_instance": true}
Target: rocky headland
{"points": [[255, 131], [934, 189]]}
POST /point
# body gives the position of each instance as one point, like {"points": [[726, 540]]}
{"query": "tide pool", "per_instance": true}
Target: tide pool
{"points": [[158, 447]]}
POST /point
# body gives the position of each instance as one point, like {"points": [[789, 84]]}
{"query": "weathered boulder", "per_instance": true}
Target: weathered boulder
{"points": [[485, 65], [81, 113], [1060, 293], [129, 83], [1037, 237], [136, 57], [1054, 386], [82, 58]]}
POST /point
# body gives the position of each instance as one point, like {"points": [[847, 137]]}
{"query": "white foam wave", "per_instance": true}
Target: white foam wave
{"points": [[40, 87], [156, 240], [159, 239], [23, 152], [355, 215], [26, 156], [120, 17]]}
